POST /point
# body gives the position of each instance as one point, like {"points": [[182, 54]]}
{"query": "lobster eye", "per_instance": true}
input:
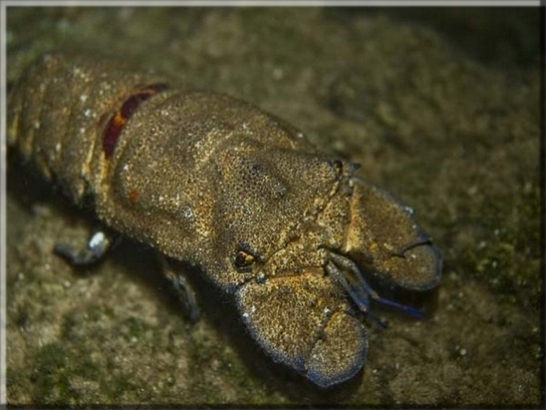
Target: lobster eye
{"points": [[244, 258], [337, 165]]}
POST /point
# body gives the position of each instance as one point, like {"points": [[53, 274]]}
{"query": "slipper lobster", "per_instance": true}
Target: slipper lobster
{"points": [[293, 235]]}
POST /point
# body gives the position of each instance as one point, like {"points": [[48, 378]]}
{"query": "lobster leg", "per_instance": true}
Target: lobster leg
{"points": [[182, 288], [345, 272], [97, 247]]}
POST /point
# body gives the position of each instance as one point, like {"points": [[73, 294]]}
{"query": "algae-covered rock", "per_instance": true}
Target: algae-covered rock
{"points": [[454, 136]]}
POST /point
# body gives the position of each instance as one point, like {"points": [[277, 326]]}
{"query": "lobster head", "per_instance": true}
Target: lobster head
{"points": [[301, 237]]}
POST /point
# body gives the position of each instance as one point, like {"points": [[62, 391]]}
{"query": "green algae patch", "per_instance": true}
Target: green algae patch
{"points": [[58, 373]]}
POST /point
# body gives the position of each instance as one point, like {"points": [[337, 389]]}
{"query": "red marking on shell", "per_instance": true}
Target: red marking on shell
{"points": [[133, 196], [115, 125]]}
